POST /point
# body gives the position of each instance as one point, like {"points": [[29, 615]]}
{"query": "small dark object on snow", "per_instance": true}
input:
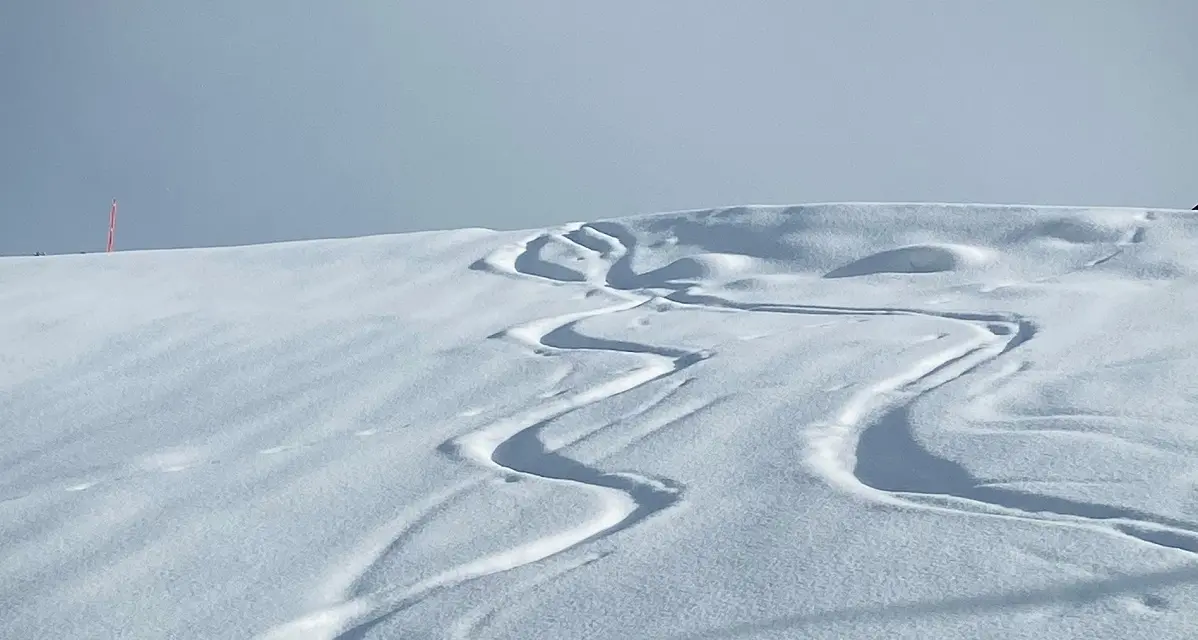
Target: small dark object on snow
{"points": [[1195, 208]]}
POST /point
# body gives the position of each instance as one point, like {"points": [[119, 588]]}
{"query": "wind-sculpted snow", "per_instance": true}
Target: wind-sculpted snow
{"points": [[915, 259], [826, 421]]}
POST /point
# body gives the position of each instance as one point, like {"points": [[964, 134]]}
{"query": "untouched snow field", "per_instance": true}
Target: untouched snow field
{"points": [[831, 421]]}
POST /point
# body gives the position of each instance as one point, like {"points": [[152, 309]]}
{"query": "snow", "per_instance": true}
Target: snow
{"points": [[827, 421]]}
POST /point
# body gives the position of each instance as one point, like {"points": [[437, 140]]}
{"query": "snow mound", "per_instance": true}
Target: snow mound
{"points": [[927, 258], [1088, 227], [703, 266]]}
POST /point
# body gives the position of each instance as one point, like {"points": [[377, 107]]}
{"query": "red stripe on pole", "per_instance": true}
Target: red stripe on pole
{"points": [[111, 225]]}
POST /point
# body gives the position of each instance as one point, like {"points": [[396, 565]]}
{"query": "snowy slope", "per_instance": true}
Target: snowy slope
{"points": [[833, 421]]}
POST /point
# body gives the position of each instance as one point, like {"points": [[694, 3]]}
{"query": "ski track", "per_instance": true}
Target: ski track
{"points": [[470, 624], [512, 446]]}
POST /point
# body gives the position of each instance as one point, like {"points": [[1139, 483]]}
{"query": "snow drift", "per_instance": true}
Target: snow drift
{"points": [[826, 421]]}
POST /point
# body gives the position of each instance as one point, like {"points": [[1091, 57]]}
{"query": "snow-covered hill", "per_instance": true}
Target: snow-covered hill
{"points": [[832, 421]]}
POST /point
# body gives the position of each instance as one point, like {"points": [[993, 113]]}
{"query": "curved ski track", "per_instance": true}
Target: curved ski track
{"points": [[512, 447]]}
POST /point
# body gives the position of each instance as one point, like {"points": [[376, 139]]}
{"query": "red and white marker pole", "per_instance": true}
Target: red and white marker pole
{"points": [[111, 225]]}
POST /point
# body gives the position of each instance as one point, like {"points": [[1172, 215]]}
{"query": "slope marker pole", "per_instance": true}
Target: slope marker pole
{"points": [[111, 225]]}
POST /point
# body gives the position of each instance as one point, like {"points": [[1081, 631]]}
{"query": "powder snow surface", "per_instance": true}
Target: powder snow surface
{"points": [[831, 421]]}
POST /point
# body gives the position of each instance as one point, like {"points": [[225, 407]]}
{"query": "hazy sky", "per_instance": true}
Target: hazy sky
{"points": [[231, 122]]}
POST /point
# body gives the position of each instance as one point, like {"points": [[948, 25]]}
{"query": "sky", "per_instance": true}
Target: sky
{"points": [[227, 122]]}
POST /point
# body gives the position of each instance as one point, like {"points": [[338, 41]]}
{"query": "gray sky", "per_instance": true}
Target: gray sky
{"points": [[231, 122]]}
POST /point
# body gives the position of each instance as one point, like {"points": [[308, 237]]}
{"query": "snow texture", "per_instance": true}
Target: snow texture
{"points": [[827, 421]]}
